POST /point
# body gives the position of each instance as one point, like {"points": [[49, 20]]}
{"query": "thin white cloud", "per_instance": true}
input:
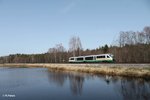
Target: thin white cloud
{"points": [[68, 7]]}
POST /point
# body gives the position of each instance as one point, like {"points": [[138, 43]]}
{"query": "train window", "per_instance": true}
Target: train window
{"points": [[72, 59], [79, 58], [88, 58], [108, 57], [100, 56]]}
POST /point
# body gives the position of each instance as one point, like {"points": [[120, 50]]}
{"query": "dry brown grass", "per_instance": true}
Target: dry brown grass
{"points": [[120, 70]]}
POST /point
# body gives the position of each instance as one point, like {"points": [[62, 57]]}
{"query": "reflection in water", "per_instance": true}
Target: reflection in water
{"points": [[76, 80], [128, 88], [135, 90], [76, 84], [107, 79], [57, 78]]}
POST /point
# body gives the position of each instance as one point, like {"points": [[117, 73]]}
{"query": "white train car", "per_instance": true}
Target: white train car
{"points": [[92, 58]]}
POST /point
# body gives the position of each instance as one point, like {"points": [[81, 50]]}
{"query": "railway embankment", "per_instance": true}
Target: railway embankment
{"points": [[127, 70]]}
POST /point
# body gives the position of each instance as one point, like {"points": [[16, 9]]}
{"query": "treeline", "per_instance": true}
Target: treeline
{"points": [[134, 47], [131, 47]]}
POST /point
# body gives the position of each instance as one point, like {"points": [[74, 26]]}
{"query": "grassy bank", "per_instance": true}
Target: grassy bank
{"points": [[130, 70]]}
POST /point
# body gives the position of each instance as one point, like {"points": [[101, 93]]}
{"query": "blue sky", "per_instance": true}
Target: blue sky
{"points": [[34, 26]]}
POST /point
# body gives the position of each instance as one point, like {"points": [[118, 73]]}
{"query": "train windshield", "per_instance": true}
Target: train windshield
{"points": [[108, 56], [111, 55]]}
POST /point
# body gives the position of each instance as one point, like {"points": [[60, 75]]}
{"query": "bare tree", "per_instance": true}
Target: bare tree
{"points": [[141, 37], [122, 38], [147, 34], [75, 46], [60, 49], [53, 53], [57, 53], [79, 46]]}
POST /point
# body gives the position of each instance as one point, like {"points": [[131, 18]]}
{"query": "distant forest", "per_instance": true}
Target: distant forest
{"points": [[130, 47]]}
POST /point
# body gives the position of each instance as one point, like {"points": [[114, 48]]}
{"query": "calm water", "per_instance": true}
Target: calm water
{"points": [[44, 84]]}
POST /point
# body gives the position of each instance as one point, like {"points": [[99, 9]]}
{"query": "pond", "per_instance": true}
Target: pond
{"points": [[46, 84]]}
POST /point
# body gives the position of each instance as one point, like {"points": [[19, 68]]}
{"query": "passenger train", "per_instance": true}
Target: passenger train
{"points": [[92, 58]]}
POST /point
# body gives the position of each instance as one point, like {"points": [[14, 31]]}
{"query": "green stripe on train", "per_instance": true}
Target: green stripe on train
{"points": [[98, 61], [94, 61]]}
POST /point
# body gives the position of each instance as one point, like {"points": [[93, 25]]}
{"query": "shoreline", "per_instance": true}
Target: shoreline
{"points": [[126, 70]]}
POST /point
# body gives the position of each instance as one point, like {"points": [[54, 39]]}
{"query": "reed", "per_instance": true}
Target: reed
{"points": [[142, 71]]}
